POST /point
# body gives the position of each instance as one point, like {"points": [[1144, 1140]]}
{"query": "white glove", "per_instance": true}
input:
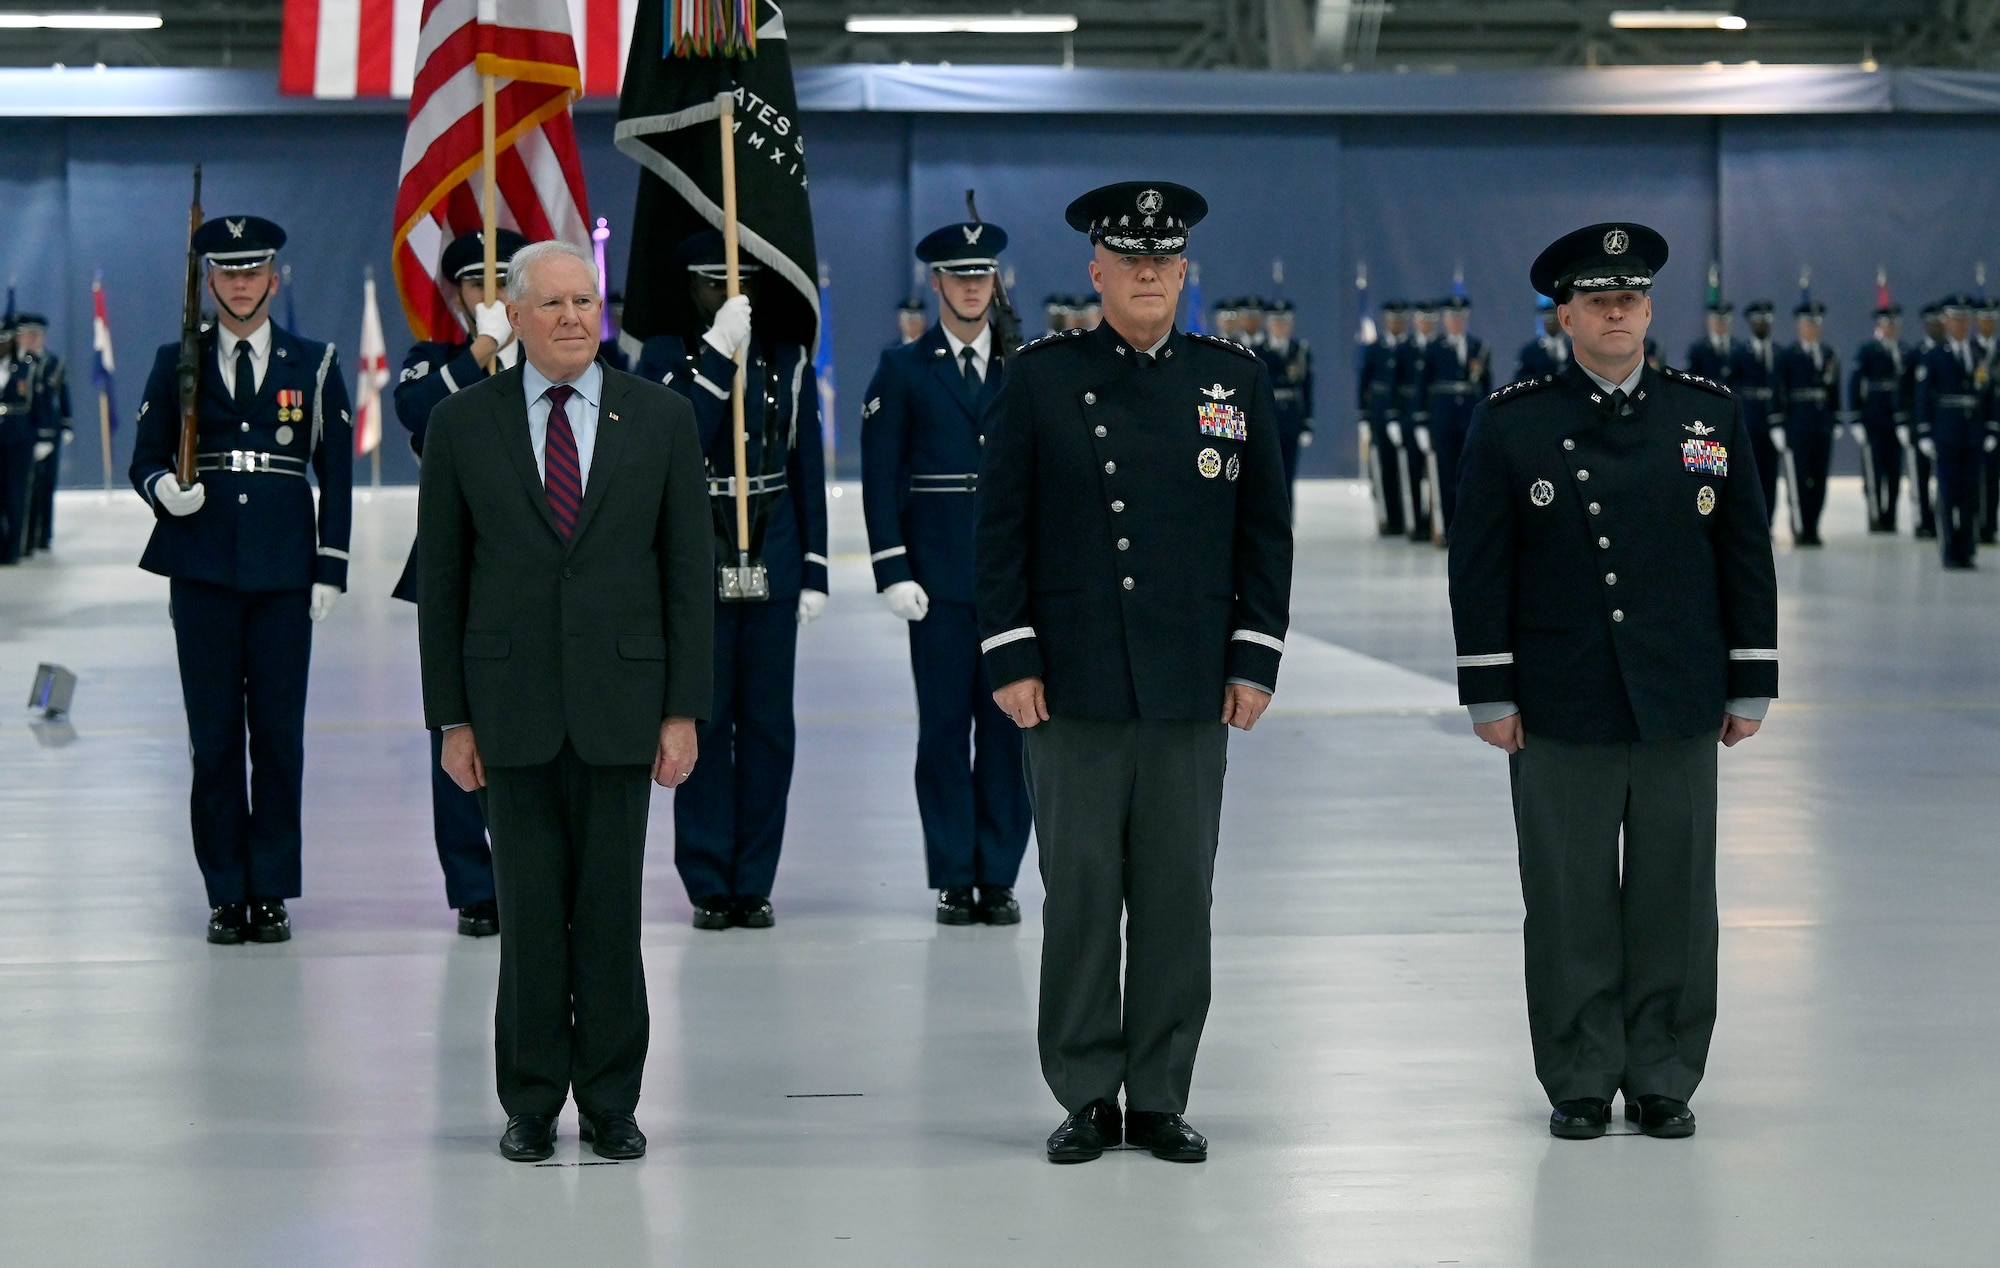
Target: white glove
{"points": [[1778, 439], [1423, 439], [43, 448], [170, 497], [1305, 438], [731, 328], [1927, 447], [324, 597], [491, 320], [907, 600], [1992, 443], [1395, 431], [812, 603]]}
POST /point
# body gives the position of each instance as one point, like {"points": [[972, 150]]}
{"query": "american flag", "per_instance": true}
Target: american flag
{"points": [[368, 48]]}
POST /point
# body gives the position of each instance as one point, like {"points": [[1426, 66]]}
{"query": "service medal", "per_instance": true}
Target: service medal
{"points": [[1210, 463], [1704, 501], [1541, 493], [284, 435]]}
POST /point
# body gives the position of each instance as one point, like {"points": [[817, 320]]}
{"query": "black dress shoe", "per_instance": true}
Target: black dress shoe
{"points": [[1809, 539], [614, 1136], [754, 912], [1581, 1119], [1165, 1136], [955, 906], [268, 921], [228, 923], [1086, 1134], [711, 913], [479, 920], [997, 906], [529, 1138], [1662, 1117]]}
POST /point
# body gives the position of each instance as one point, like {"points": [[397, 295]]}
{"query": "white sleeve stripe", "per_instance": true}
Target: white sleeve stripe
{"points": [[816, 559], [1262, 640], [1011, 636], [890, 553], [1753, 653], [444, 372], [337, 554], [710, 388], [1486, 662]]}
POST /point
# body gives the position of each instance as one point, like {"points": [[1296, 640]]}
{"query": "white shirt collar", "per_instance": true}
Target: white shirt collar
{"points": [[589, 385], [981, 345], [1631, 381], [258, 339]]}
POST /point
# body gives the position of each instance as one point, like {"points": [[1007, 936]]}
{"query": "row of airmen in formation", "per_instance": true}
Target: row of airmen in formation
{"points": [[34, 425], [1928, 412]]}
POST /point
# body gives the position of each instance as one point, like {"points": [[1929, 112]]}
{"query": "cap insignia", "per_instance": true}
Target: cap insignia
{"points": [[1617, 242], [1150, 202], [235, 227], [972, 234]]}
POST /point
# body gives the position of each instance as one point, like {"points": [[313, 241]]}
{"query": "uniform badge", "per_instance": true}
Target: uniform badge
{"points": [[1699, 429], [1705, 457], [1234, 467], [1225, 422], [1541, 493], [1218, 392], [284, 435], [1617, 242], [1210, 463], [1704, 501]]}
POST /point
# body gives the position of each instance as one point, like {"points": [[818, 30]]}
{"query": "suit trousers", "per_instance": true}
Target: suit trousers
{"points": [[1127, 818], [974, 804], [1621, 961], [244, 657], [569, 848], [458, 825]]}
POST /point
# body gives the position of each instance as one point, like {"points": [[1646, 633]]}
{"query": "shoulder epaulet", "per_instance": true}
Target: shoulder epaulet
{"points": [[1693, 380], [1521, 388], [1054, 336], [1216, 341]]}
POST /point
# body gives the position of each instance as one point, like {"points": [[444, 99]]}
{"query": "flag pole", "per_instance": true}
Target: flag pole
{"points": [[104, 434], [725, 106], [488, 215]]}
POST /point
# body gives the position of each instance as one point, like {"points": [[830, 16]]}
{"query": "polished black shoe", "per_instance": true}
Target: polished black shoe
{"points": [[997, 906], [479, 920], [269, 921], [1808, 539], [1925, 534], [955, 906], [529, 1138], [228, 923], [1581, 1119], [614, 1136], [712, 913], [1166, 1136], [1661, 1117], [1086, 1134], [754, 912]]}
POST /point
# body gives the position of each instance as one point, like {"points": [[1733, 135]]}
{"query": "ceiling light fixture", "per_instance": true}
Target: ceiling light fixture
{"points": [[1675, 20], [80, 21], [961, 23]]}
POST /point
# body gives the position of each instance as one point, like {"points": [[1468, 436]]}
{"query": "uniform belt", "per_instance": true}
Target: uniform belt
{"points": [[1454, 389], [1881, 385], [967, 482], [1810, 394], [251, 462], [725, 487], [1960, 402], [1753, 393]]}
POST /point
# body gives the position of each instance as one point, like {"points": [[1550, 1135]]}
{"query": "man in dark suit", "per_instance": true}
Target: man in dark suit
{"points": [[920, 440], [1135, 569], [566, 628]]}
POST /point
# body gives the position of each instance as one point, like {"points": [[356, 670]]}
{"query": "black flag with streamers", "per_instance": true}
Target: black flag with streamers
{"points": [[684, 54]]}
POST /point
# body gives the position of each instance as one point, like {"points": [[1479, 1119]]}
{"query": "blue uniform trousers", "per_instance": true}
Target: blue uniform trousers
{"points": [[974, 805], [1451, 419], [1958, 479], [729, 817], [17, 470], [42, 509], [459, 826], [243, 659], [1809, 436]]}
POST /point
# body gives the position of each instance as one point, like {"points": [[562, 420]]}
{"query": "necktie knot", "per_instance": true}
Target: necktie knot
{"points": [[559, 394]]}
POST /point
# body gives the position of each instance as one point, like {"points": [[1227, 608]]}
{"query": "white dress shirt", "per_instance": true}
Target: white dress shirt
{"points": [[982, 349], [581, 410], [260, 353]]}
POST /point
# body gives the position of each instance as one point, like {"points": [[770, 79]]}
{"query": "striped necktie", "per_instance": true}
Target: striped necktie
{"points": [[563, 473]]}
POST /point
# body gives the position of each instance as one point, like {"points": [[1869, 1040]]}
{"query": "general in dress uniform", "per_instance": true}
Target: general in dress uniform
{"points": [[22, 406], [1714, 354], [253, 564], [921, 433], [53, 430], [433, 371], [729, 818], [1950, 412], [1615, 608], [1548, 352], [1135, 554], [1808, 390], [1875, 394], [1290, 363], [1457, 375], [1753, 381], [1381, 418]]}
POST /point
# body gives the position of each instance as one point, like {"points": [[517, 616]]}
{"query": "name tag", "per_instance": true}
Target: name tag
{"points": [[1224, 421], [1705, 457]]}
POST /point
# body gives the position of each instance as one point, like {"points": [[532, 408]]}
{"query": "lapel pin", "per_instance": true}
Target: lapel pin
{"points": [[613, 415]]}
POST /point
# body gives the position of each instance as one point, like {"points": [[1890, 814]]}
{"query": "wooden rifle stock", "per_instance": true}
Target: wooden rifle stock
{"points": [[1006, 323], [189, 369]]}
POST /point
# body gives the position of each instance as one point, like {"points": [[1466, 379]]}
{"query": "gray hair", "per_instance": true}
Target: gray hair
{"points": [[534, 253]]}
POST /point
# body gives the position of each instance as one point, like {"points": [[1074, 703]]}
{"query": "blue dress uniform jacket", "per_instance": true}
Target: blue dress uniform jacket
{"points": [[1612, 575], [1876, 392], [1375, 395], [54, 428], [432, 371], [1135, 542], [1710, 362], [1949, 411], [1753, 379], [1291, 371], [921, 437], [22, 405], [1538, 360], [1451, 390], [1808, 395]]}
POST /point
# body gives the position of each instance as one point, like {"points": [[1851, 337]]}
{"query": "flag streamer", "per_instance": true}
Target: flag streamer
{"points": [[712, 28]]}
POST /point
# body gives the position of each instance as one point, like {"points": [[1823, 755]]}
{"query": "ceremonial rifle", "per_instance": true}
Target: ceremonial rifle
{"points": [[189, 369], [1006, 324]]}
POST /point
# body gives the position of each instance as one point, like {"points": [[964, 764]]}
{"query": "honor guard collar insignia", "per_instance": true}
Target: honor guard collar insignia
{"points": [[969, 249], [466, 256], [702, 254], [1218, 392], [237, 242], [1618, 256], [1138, 217]]}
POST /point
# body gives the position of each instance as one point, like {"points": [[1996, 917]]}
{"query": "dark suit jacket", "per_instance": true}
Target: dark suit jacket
{"points": [[531, 639]]}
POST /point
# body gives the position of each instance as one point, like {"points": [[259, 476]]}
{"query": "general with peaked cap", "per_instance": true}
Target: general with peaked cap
{"points": [[253, 564], [1615, 609], [1753, 379], [433, 370], [22, 407], [1875, 392], [922, 429], [1548, 352], [1456, 374], [1381, 418], [52, 426], [1134, 555], [1808, 401], [1712, 355], [1290, 363], [1950, 401], [729, 817]]}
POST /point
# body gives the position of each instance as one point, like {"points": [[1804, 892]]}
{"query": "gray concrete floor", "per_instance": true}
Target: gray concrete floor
{"points": [[859, 1086]]}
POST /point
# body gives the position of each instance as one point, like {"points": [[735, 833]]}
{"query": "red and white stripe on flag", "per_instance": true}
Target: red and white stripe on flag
{"points": [[371, 374], [525, 45], [368, 48]]}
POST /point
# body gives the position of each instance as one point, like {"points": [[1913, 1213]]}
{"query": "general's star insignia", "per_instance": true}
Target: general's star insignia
{"points": [[1699, 429], [235, 227], [1218, 392]]}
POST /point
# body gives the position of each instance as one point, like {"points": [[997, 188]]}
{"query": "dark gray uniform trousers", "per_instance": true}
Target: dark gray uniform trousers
{"points": [[1621, 970], [1127, 816], [569, 844]]}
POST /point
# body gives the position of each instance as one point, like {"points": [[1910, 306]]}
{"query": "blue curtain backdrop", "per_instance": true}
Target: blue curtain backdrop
{"points": [[1412, 196]]}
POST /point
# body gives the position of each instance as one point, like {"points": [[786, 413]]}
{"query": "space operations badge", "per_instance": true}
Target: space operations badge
{"points": [[1705, 457], [1224, 421]]}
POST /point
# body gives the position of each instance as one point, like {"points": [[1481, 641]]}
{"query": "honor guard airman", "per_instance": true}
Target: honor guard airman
{"points": [[1381, 419], [1548, 352], [1753, 381], [1714, 354], [729, 817], [1290, 363], [434, 370], [1457, 375], [1950, 421], [1228, 320], [921, 436], [1919, 452], [1135, 552], [1875, 394], [1418, 504], [1986, 347], [1055, 315], [22, 407], [911, 322], [1809, 399], [1615, 609], [252, 565], [53, 431]]}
